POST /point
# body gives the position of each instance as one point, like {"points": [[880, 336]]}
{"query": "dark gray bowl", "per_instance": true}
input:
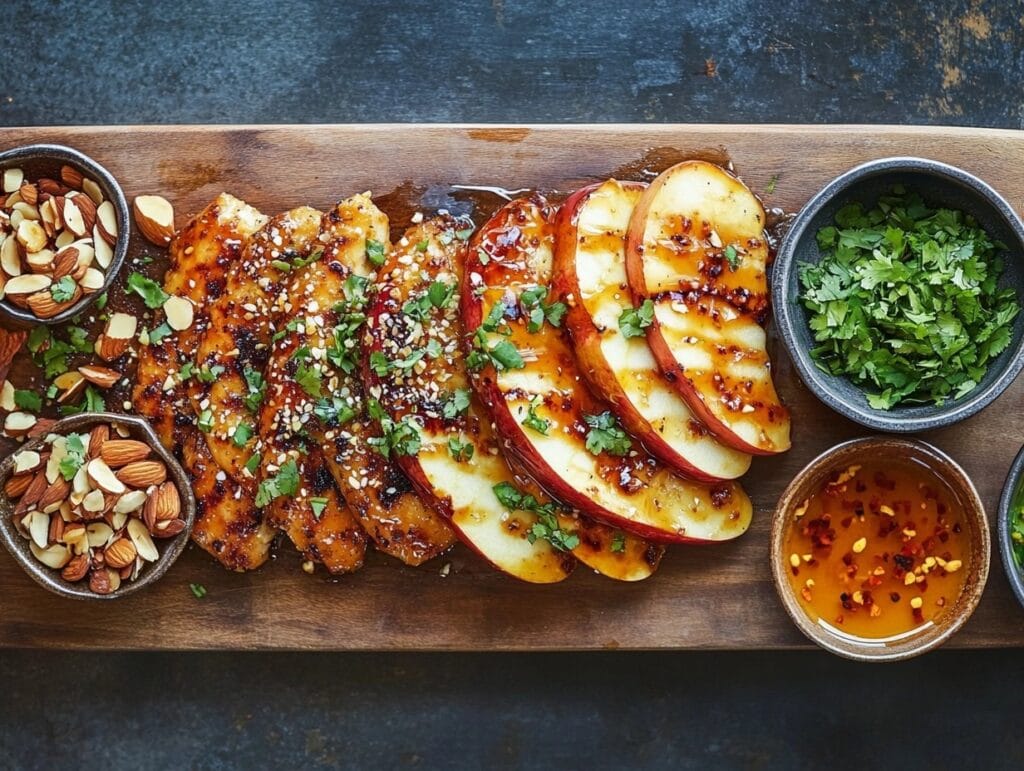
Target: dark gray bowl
{"points": [[939, 184], [45, 161], [1013, 495], [170, 548]]}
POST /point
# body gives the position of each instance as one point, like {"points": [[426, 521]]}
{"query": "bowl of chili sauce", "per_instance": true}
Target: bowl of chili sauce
{"points": [[880, 548]]}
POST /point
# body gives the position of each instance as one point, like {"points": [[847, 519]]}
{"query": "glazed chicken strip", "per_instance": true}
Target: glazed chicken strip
{"points": [[228, 524], [314, 396]]}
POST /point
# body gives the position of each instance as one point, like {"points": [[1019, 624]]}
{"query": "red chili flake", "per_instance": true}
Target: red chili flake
{"points": [[904, 561], [956, 528], [846, 521], [942, 508], [848, 558], [881, 480], [918, 616], [860, 486], [846, 602], [928, 492], [944, 536], [894, 596], [941, 602]]}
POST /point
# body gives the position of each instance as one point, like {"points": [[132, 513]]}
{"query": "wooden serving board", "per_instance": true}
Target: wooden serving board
{"points": [[702, 597]]}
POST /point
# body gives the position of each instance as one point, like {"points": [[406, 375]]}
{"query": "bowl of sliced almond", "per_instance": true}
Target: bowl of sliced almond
{"points": [[95, 508], [64, 226]]}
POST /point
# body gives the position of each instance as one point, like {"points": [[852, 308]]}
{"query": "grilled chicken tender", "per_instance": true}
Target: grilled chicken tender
{"points": [[314, 390], [228, 524], [200, 255]]}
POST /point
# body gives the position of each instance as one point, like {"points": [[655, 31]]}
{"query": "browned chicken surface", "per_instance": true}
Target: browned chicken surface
{"points": [[228, 524], [314, 398]]}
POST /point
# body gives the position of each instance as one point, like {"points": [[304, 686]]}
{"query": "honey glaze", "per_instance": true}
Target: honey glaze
{"points": [[879, 550]]}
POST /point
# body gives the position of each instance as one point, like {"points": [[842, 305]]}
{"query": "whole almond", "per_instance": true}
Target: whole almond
{"points": [[76, 569], [49, 186], [16, 486], [104, 377], [121, 452], [149, 513], [97, 438], [43, 305], [35, 490], [141, 474], [121, 553], [169, 528], [41, 428], [71, 177], [29, 193], [101, 580], [168, 502]]}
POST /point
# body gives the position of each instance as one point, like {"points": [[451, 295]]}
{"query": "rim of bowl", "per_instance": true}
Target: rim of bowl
{"points": [[789, 319], [1014, 573], [23, 317], [49, 578], [965, 605]]}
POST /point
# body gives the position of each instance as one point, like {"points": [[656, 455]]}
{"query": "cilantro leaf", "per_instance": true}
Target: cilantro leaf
{"points": [[152, 293], [633, 321], [318, 505], [605, 435], [375, 252], [28, 400], [732, 256], [456, 404], [74, 458], [546, 527], [284, 482], [63, 289], [535, 421], [461, 450]]}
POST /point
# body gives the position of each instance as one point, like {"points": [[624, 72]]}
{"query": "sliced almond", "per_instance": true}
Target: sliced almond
{"points": [[10, 259], [16, 486], [109, 349], [80, 485], [18, 423], [77, 537], [133, 500], [29, 193], [28, 284], [179, 312], [7, 397], [76, 385], [64, 238], [56, 556], [99, 376], [121, 326], [12, 179], [31, 235], [65, 262], [92, 280], [88, 211], [41, 261], [94, 501], [92, 189], [104, 478], [99, 534], [155, 217], [169, 528], [26, 461], [143, 542], [76, 569], [39, 529], [54, 495], [106, 219], [104, 250], [73, 219], [28, 211], [48, 216]]}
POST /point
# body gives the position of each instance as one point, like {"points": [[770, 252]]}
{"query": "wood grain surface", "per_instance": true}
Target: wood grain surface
{"points": [[702, 597]]}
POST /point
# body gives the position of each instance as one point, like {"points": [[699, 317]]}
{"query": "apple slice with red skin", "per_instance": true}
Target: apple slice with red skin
{"points": [[549, 422], [413, 365], [696, 248], [590, 276]]}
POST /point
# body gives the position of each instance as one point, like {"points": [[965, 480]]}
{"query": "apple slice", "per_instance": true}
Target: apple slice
{"points": [[609, 339], [440, 436], [526, 374], [696, 248]]}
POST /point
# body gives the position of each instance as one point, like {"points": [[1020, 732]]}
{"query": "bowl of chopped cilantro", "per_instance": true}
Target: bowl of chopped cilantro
{"points": [[1011, 526], [897, 294]]}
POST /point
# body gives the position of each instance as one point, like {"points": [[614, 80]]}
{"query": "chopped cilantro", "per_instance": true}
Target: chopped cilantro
{"points": [[633, 321], [186, 371], [209, 374], [538, 309], [205, 421], [28, 400], [257, 386], [546, 527], [605, 435], [535, 421], [770, 188], [456, 404], [317, 505], [905, 301], [379, 364], [310, 379], [284, 482], [243, 432], [483, 256], [101, 302], [375, 252], [398, 438], [732, 256], [333, 411], [198, 590], [74, 458], [422, 245], [93, 401], [461, 450], [63, 289], [151, 292], [291, 326], [502, 356], [619, 543], [253, 463], [159, 332]]}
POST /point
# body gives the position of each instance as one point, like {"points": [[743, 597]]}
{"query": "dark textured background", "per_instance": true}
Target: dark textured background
{"points": [[731, 60]]}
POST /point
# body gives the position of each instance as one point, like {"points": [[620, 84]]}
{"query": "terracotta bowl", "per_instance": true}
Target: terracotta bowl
{"points": [[871, 449], [170, 548], [46, 161]]}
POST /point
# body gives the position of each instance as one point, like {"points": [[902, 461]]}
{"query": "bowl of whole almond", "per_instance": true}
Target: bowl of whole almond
{"points": [[96, 508], [64, 226]]}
